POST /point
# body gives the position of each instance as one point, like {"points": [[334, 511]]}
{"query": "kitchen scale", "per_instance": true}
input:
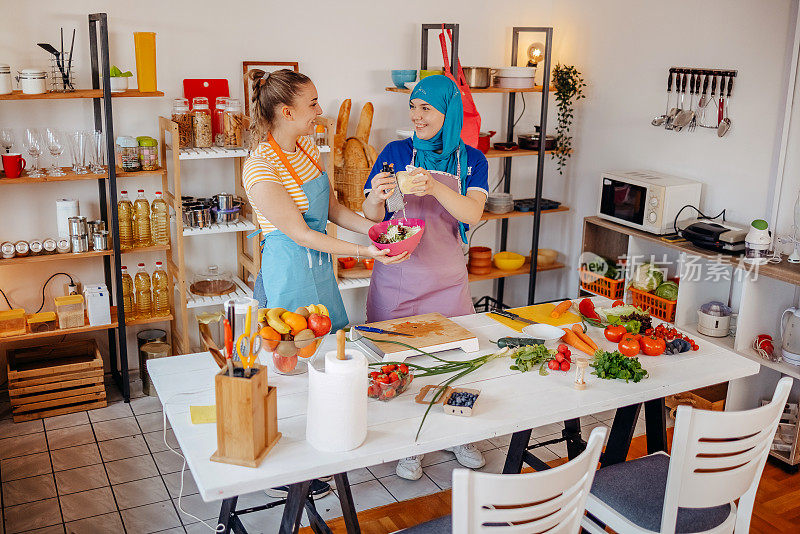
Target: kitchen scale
{"points": [[712, 235]]}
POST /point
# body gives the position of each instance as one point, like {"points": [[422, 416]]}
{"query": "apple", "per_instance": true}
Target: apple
{"points": [[319, 324], [284, 365]]}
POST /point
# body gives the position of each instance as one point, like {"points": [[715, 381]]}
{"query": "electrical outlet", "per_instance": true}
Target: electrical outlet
{"points": [[73, 289]]}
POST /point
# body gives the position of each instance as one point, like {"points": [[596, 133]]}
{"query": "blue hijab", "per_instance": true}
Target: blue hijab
{"points": [[441, 152]]}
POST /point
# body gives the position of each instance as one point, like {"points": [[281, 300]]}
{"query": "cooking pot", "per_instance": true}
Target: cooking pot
{"points": [[531, 141], [477, 77], [483, 140]]}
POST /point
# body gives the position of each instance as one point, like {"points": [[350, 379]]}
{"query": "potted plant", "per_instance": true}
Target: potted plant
{"points": [[118, 79], [569, 85]]}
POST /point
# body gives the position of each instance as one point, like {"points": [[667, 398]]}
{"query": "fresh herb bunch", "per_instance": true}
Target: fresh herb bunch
{"points": [[569, 86], [530, 356], [610, 365]]}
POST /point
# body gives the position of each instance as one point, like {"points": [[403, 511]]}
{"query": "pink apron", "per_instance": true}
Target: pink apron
{"points": [[434, 278]]}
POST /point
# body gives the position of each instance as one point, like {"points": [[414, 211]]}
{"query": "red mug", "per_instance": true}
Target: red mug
{"points": [[13, 164]]}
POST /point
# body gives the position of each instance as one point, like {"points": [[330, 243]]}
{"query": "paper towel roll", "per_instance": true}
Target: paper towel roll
{"points": [[66, 208], [337, 403]]}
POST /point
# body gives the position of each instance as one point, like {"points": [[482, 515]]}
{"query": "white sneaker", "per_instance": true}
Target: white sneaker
{"points": [[468, 455], [409, 468]]}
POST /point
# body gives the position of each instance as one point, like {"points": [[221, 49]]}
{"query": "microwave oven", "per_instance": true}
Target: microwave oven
{"points": [[646, 200]]}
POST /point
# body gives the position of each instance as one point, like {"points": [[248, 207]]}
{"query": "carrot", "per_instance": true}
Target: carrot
{"points": [[561, 309], [571, 338], [578, 329]]}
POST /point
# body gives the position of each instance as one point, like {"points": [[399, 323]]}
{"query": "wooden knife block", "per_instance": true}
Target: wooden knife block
{"points": [[247, 418]]}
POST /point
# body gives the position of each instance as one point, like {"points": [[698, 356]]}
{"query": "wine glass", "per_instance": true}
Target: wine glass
{"points": [[56, 145], [97, 152], [77, 143], [33, 144], [7, 138]]}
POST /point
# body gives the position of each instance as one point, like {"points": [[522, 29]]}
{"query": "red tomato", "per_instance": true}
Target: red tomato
{"points": [[653, 346], [383, 379], [374, 374], [617, 303], [403, 368], [559, 357], [628, 346], [394, 377], [565, 365], [563, 349], [615, 333], [554, 365]]}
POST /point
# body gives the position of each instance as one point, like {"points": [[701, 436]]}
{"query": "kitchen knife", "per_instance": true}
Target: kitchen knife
{"points": [[513, 316], [380, 331]]}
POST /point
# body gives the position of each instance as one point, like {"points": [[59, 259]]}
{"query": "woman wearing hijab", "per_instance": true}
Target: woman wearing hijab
{"points": [[450, 187]]}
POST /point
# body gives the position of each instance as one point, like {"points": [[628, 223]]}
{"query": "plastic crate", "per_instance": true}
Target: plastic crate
{"points": [[658, 307], [600, 285]]}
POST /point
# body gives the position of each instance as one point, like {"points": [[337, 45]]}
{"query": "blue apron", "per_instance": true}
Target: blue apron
{"points": [[292, 276]]}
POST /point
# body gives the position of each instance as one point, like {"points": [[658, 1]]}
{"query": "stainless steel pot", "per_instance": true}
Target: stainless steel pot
{"points": [[224, 201], [477, 77]]}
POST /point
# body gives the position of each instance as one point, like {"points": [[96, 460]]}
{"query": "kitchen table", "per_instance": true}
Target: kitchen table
{"points": [[510, 403]]}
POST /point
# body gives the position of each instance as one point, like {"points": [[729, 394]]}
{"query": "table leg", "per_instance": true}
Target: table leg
{"points": [[516, 451], [619, 439], [655, 420], [348, 506], [572, 433], [226, 517], [293, 509], [317, 523]]}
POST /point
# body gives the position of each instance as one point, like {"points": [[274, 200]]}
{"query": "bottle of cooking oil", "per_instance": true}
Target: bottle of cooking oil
{"points": [[141, 221], [159, 223], [144, 295], [127, 294], [160, 291], [125, 216]]}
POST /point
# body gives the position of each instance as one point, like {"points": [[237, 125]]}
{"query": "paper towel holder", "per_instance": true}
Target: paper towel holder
{"points": [[247, 418]]}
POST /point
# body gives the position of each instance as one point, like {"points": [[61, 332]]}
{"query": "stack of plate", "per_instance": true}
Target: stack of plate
{"points": [[500, 203], [791, 358]]}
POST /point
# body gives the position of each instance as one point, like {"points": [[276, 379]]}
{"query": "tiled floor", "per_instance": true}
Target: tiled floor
{"points": [[108, 470]]}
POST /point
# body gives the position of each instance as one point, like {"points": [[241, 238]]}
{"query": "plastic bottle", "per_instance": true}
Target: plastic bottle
{"points": [[160, 291], [125, 216], [144, 295], [127, 294], [141, 221], [159, 224]]}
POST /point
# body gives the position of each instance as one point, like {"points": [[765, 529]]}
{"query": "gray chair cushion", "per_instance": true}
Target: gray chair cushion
{"points": [[636, 490], [442, 525]]}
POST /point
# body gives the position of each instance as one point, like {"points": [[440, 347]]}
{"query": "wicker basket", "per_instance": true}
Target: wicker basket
{"points": [[349, 180], [600, 285], [658, 307]]}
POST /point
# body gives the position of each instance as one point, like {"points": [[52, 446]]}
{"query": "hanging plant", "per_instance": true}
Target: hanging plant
{"points": [[569, 86]]}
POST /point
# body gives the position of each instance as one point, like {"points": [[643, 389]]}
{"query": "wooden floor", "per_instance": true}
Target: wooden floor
{"points": [[777, 507]]}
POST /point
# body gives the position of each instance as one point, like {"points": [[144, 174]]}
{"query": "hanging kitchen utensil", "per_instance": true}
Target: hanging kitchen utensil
{"points": [[693, 123], [684, 117], [661, 119], [725, 124], [721, 105], [710, 99], [704, 96], [680, 89]]}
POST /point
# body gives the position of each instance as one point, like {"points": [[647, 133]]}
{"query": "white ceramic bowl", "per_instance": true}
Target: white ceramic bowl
{"points": [[515, 72], [513, 82], [543, 331]]}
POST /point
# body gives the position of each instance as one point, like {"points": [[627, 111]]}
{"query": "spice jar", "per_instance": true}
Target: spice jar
{"points": [[128, 150], [8, 250], [22, 248], [319, 137], [233, 123], [148, 153], [32, 81], [49, 246], [219, 112], [201, 122], [5, 79], [182, 117], [63, 246], [36, 247]]}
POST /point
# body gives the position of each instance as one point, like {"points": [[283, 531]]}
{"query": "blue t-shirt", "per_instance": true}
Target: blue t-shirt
{"points": [[399, 153]]}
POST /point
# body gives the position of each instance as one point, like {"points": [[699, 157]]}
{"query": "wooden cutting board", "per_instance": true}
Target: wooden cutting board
{"points": [[433, 332], [539, 313]]}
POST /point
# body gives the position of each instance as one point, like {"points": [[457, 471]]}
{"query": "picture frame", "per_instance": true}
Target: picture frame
{"points": [[269, 66]]}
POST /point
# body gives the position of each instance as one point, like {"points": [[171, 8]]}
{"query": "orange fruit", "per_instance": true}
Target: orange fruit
{"points": [[270, 336], [295, 321], [309, 350]]}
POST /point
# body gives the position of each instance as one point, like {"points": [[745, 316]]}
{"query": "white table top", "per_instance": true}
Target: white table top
{"points": [[509, 401]]}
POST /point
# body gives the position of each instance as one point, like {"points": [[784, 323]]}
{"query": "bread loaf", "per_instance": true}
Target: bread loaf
{"points": [[343, 119], [355, 153], [365, 122]]}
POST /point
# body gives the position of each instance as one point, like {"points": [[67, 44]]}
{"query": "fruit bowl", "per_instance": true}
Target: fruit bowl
{"points": [[406, 245], [290, 357], [289, 340], [386, 386]]}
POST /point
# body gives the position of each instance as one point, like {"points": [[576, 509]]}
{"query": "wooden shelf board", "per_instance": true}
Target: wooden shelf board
{"points": [[494, 153], [86, 328], [77, 256], [525, 269], [152, 248], [80, 93], [491, 216], [71, 176], [537, 89]]}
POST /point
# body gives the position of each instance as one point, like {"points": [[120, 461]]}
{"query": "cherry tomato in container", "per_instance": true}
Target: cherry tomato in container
{"points": [[615, 333], [628, 346], [617, 303], [653, 346]]}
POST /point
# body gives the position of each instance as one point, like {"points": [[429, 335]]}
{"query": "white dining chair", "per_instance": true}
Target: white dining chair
{"points": [[717, 457], [549, 501]]}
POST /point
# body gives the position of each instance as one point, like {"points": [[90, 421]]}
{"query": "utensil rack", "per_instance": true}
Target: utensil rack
{"points": [[697, 88], [107, 196]]}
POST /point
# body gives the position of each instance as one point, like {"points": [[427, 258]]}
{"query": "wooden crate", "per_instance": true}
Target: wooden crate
{"points": [[786, 444], [55, 379]]}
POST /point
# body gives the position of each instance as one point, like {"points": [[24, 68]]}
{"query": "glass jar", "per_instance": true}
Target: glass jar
{"points": [[201, 122], [219, 112], [233, 124], [148, 153], [128, 150], [319, 137], [182, 117], [5, 79]]}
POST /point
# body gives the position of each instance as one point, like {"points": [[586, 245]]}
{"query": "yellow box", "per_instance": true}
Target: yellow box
{"points": [[12, 322], [145, 46]]}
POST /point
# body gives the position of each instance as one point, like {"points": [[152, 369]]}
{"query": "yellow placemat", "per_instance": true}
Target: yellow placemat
{"points": [[203, 414], [539, 313]]}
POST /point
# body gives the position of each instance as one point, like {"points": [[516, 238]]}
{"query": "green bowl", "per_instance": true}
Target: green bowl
{"points": [[429, 72]]}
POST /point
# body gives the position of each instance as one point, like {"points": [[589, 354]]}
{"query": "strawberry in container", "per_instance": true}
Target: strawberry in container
{"points": [[389, 381]]}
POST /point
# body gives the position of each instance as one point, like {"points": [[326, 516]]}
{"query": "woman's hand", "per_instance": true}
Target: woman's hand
{"points": [[423, 183], [383, 257], [383, 185]]}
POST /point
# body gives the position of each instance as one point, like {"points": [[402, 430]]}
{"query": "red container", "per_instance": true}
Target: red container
{"points": [[401, 246], [483, 141]]}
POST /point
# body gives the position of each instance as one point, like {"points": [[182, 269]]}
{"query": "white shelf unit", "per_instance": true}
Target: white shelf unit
{"points": [[240, 225], [213, 152], [353, 283], [196, 301]]}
